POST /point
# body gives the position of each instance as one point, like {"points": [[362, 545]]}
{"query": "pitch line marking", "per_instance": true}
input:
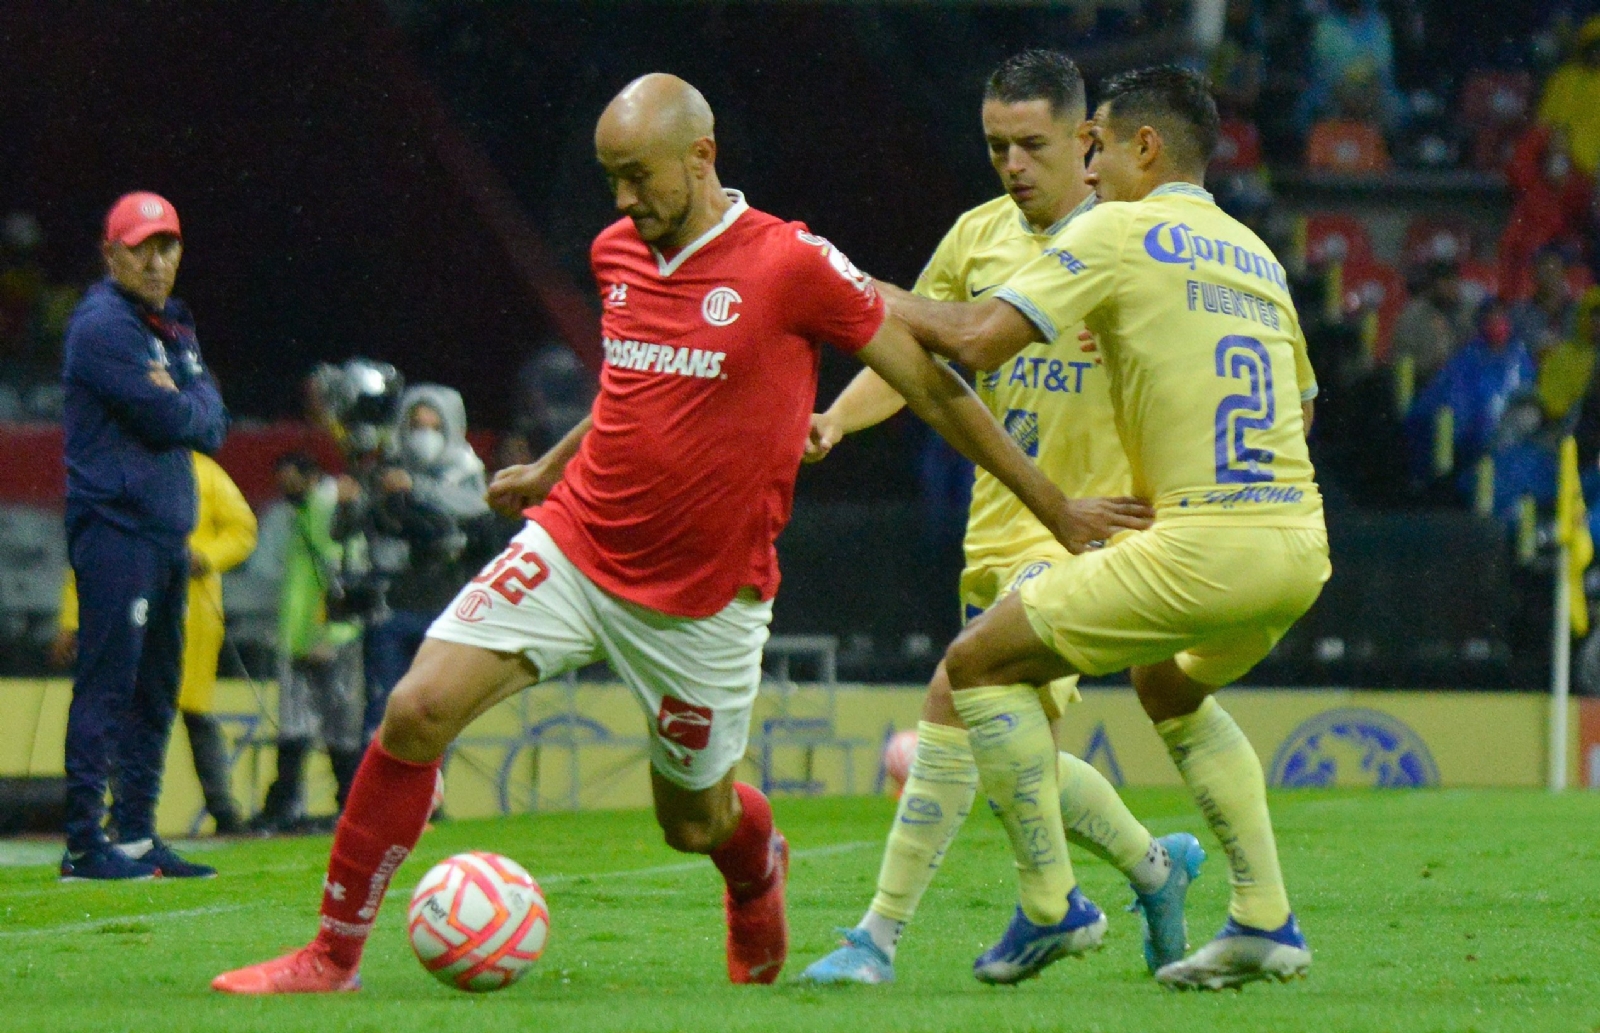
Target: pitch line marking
{"points": [[145, 916]]}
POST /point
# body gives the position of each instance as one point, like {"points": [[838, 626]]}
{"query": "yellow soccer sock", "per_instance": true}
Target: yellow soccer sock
{"points": [[1016, 758], [1223, 772], [936, 801], [1097, 819]]}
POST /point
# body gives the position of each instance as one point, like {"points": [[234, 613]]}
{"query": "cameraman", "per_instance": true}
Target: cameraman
{"points": [[429, 509]]}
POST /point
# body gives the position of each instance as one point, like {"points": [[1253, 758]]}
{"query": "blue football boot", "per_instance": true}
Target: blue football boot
{"points": [[1166, 934], [857, 960], [1025, 949], [1242, 954]]}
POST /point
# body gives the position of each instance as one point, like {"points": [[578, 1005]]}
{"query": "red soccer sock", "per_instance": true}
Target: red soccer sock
{"points": [[745, 860], [389, 803]]}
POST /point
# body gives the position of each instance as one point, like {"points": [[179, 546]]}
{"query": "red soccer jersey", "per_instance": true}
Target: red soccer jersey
{"points": [[678, 492]]}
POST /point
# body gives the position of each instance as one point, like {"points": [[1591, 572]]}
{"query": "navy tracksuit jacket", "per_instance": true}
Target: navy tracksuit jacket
{"points": [[130, 508]]}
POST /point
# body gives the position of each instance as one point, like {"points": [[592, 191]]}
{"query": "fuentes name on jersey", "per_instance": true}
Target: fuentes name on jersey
{"points": [[664, 358]]}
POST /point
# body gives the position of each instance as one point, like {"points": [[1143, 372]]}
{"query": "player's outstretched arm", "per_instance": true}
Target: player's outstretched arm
{"points": [[516, 488], [935, 393], [865, 402], [977, 334]]}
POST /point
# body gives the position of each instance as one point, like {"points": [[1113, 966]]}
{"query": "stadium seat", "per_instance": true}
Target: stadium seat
{"points": [[1373, 286], [1496, 99], [1482, 279], [1342, 146], [1431, 238], [1238, 147], [1495, 107], [1337, 238]]}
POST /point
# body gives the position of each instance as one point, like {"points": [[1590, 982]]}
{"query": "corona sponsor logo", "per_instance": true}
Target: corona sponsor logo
{"points": [[1176, 244]]}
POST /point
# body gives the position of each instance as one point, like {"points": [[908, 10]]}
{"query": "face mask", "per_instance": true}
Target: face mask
{"points": [[426, 443]]}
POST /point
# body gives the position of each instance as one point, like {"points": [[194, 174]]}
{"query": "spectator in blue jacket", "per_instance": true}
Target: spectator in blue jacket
{"points": [[138, 400], [1477, 384]]}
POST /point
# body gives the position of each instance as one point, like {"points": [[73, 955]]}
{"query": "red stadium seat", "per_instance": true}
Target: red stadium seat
{"points": [[1340, 145], [1484, 276], [1373, 286], [1238, 147], [1496, 99], [1337, 238], [1432, 238]]}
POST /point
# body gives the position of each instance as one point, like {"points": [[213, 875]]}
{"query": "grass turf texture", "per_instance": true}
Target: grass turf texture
{"points": [[1428, 911]]}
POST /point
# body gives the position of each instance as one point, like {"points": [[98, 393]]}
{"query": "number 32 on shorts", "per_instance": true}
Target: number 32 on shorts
{"points": [[514, 574], [1244, 359]]}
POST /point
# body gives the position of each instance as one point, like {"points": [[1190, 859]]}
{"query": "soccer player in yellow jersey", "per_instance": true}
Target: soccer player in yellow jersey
{"points": [[1056, 403], [1203, 346]]}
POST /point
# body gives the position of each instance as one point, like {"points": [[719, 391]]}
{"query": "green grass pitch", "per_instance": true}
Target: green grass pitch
{"points": [[1428, 911]]}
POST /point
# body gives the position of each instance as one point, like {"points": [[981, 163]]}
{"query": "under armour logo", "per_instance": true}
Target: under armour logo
{"points": [[333, 889], [618, 295]]}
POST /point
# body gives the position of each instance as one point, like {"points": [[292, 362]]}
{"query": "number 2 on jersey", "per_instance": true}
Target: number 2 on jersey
{"points": [[1244, 359]]}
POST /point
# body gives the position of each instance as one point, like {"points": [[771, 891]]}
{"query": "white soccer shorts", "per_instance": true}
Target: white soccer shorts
{"points": [[696, 678]]}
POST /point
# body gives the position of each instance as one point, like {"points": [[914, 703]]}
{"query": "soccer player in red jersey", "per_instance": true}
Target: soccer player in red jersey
{"points": [[651, 528]]}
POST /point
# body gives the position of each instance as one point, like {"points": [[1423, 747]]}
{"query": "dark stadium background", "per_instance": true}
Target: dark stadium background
{"points": [[414, 182]]}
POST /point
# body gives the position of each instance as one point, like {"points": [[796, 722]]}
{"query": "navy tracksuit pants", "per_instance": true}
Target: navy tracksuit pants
{"points": [[131, 597]]}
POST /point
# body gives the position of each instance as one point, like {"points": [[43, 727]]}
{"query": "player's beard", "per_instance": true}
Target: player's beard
{"points": [[672, 224]]}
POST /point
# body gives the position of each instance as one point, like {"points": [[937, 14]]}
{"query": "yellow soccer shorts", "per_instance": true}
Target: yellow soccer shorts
{"points": [[983, 586], [1216, 598]]}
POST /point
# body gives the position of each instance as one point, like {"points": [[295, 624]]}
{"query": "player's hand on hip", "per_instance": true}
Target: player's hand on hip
{"points": [[825, 433], [516, 488], [1087, 521]]}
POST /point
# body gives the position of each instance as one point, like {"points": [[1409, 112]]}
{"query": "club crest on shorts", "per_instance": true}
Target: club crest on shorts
{"points": [[684, 723], [474, 606]]}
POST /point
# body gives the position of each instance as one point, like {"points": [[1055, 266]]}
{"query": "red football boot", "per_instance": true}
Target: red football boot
{"points": [[758, 929], [308, 970]]}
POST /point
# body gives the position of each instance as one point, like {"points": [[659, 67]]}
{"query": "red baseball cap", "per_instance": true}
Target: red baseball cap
{"points": [[139, 215]]}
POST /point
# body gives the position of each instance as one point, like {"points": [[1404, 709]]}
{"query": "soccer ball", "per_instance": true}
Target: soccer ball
{"points": [[478, 921], [897, 756]]}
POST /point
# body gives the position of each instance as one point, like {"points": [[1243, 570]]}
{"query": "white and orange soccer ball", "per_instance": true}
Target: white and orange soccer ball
{"points": [[898, 753], [478, 921]]}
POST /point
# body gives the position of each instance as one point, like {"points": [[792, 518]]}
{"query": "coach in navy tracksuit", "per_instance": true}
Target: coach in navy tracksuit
{"points": [[138, 400]]}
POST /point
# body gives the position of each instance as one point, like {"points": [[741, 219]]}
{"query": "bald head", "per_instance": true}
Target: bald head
{"points": [[655, 110], [655, 142]]}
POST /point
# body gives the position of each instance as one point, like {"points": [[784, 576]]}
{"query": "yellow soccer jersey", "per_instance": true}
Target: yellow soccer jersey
{"points": [[1052, 399], [1204, 351]]}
